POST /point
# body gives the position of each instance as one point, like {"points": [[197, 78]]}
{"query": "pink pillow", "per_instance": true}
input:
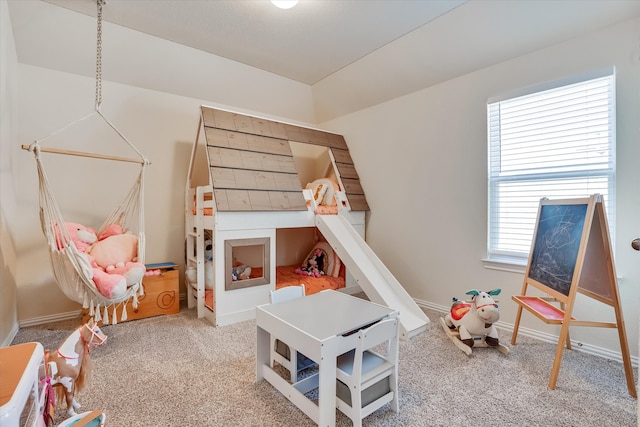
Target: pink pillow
{"points": [[337, 264]]}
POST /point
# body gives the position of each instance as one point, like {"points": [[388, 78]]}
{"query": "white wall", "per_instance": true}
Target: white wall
{"points": [[422, 160], [8, 287]]}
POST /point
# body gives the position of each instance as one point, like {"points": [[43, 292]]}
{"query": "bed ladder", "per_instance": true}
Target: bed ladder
{"points": [[194, 233]]}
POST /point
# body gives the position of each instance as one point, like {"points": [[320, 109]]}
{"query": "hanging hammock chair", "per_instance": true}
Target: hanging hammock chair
{"points": [[71, 267]]}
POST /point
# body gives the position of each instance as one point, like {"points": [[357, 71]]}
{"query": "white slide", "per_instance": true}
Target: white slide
{"points": [[372, 275]]}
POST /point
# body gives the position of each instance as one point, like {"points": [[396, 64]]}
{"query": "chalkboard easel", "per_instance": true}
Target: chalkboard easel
{"points": [[571, 253]]}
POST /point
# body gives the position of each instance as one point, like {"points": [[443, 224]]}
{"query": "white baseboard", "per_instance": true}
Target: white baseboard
{"points": [[543, 336], [70, 315], [238, 316]]}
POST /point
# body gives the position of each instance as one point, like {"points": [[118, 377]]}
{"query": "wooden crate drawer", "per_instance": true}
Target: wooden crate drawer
{"points": [[161, 296]]}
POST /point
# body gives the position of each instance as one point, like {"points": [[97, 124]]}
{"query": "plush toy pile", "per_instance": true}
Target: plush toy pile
{"points": [[321, 261], [314, 264], [239, 271], [110, 259]]}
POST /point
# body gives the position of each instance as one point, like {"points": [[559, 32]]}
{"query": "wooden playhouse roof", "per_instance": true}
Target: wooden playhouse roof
{"points": [[252, 166]]}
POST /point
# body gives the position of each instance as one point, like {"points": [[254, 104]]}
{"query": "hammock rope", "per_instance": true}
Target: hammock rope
{"points": [[98, 104]]}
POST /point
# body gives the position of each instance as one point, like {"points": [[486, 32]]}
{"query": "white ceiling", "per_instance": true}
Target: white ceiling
{"points": [[384, 48], [306, 43]]}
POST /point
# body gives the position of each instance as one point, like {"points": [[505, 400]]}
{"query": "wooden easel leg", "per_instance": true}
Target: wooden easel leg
{"points": [[516, 326], [564, 335], [626, 358], [568, 340], [628, 370]]}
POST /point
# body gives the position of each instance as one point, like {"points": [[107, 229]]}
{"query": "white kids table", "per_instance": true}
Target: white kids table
{"points": [[320, 326]]}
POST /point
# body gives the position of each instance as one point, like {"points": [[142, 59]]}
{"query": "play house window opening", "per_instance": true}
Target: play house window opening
{"points": [[247, 263]]}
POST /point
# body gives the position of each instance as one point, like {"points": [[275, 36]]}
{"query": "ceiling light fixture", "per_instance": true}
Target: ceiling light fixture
{"points": [[285, 4]]}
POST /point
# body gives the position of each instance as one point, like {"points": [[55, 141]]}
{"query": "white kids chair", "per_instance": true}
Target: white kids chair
{"points": [[280, 352], [368, 380]]}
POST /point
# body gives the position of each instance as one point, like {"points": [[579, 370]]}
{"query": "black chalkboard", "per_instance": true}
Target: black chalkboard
{"points": [[556, 245]]}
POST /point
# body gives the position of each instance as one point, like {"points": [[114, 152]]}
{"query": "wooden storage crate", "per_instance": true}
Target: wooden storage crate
{"points": [[161, 295]]}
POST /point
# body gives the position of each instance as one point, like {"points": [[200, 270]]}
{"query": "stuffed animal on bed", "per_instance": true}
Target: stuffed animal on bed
{"points": [[322, 260], [314, 264], [208, 265], [192, 274], [239, 271], [208, 250], [324, 191]]}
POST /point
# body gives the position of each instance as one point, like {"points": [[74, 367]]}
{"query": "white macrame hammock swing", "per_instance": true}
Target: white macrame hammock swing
{"points": [[71, 268]]}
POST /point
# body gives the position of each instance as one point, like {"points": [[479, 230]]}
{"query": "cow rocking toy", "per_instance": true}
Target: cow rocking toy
{"points": [[471, 324]]}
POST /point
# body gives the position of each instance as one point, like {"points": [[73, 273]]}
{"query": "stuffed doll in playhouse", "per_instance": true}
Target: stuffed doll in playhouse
{"points": [[111, 257], [240, 271]]}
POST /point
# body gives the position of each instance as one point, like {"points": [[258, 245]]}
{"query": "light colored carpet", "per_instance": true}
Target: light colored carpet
{"points": [[181, 371]]}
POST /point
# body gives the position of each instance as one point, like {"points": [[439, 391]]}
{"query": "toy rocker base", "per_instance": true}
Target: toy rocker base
{"points": [[454, 336], [86, 419]]}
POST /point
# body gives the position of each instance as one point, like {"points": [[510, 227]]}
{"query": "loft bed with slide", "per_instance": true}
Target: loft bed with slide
{"points": [[253, 191], [258, 198]]}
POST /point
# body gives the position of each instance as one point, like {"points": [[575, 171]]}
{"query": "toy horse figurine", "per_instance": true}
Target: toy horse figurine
{"points": [[471, 324], [70, 365]]}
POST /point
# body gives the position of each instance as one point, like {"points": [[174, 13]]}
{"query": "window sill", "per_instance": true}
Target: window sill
{"points": [[509, 265]]}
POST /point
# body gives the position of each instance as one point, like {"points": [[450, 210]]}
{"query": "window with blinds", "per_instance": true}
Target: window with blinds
{"points": [[556, 142]]}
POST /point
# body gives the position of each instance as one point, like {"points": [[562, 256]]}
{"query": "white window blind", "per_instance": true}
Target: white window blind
{"points": [[555, 143]]}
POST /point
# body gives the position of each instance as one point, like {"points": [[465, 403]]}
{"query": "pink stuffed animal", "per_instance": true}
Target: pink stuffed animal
{"points": [[117, 253], [109, 285], [112, 257]]}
